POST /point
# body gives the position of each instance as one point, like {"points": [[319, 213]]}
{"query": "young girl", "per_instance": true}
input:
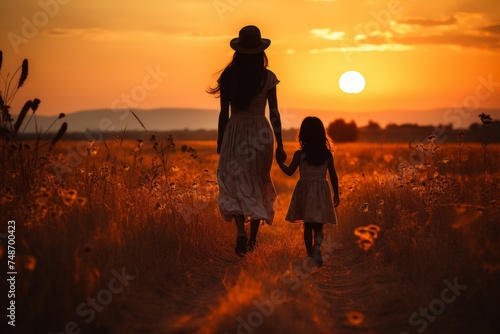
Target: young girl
{"points": [[312, 198], [245, 140]]}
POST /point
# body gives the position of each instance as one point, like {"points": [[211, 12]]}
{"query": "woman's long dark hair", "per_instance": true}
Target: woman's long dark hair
{"points": [[242, 79], [314, 141]]}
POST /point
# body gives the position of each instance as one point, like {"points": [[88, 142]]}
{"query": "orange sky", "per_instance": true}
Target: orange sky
{"points": [[163, 53]]}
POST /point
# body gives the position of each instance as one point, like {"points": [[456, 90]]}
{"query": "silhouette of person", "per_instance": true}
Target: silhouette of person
{"points": [[245, 138]]}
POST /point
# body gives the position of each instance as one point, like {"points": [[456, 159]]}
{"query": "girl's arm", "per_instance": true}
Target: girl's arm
{"points": [[334, 180], [223, 118], [289, 170], [275, 119]]}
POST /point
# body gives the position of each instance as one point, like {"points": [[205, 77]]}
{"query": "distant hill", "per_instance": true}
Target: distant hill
{"points": [[117, 120], [168, 119]]}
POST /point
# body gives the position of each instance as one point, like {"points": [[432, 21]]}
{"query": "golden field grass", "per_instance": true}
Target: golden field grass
{"points": [[410, 223]]}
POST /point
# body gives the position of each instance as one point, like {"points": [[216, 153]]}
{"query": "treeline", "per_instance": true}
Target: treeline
{"points": [[339, 130]]}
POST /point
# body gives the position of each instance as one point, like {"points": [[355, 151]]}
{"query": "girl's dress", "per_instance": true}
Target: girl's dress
{"points": [[246, 156], [312, 200]]}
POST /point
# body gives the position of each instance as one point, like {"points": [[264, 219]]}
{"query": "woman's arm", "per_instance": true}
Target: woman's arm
{"points": [[334, 180], [289, 170], [223, 118], [274, 117]]}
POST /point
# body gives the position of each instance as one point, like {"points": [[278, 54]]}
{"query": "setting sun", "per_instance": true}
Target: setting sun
{"points": [[352, 82]]}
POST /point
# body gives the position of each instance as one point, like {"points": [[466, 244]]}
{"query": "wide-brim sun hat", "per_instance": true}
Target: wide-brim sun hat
{"points": [[249, 41]]}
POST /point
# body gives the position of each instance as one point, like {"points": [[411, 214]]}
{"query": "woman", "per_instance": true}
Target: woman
{"points": [[245, 140]]}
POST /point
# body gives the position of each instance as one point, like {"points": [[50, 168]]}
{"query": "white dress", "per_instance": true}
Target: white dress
{"points": [[312, 200], [246, 156]]}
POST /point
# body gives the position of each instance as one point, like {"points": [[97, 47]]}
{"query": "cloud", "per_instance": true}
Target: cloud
{"points": [[102, 34], [93, 34], [200, 35], [328, 34], [466, 30], [363, 48], [462, 30], [494, 29], [426, 22], [460, 40]]}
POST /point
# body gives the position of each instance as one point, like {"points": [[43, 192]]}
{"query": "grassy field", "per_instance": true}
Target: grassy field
{"points": [[125, 237]]}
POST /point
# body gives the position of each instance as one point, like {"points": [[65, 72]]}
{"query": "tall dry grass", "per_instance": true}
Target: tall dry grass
{"points": [[421, 213], [127, 205]]}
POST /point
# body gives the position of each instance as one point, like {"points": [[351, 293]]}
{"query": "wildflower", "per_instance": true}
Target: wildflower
{"points": [[486, 119], [27, 262], [366, 236], [81, 201], [126, 168], [6, 198], [68, 196], [388, 157], [431, 138], [61, 115], [364, 207], [355, 318], [460, 135], [92, 151], [14, 173], [446, 160]]}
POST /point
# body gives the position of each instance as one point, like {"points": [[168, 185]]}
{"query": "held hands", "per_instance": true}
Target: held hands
{"points": [[336, 201], [280, 155], [219, 144]]}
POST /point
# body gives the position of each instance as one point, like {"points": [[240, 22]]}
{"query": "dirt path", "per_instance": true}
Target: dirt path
{"points": [[351, 293]]}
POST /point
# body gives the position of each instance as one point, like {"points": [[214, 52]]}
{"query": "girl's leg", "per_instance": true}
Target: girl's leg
{"points": [[240, 225], [318, 234], [241, 240], [308, 237], [254, 228], [318, 239]]}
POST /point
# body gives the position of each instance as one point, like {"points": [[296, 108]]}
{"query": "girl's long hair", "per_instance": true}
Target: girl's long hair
{"points": [[242, 79], [313, 141]]}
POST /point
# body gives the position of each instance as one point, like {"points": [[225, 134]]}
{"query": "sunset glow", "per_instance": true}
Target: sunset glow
{"points": [[352, 82], [100, 54]]}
